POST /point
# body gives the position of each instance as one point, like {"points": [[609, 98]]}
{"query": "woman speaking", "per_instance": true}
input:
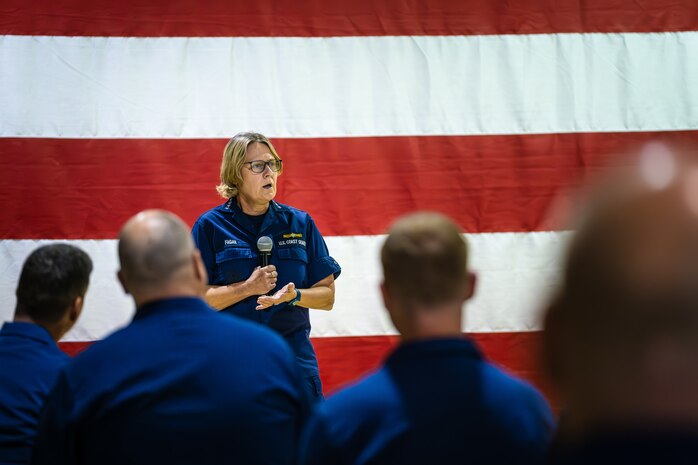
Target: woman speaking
{"points": [[300, 274]]}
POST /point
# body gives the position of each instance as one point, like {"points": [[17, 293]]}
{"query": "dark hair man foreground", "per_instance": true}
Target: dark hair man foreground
{"points": [[621, 335], [50, 296], [435, 400], [181, 384]]}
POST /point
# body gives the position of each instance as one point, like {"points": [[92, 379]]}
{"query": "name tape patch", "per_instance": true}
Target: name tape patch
{"points": [[292, 242]]}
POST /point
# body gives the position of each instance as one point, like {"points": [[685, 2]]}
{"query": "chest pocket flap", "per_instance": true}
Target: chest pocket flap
{"points": [[234, 253], [293, 253], [234, 264]]}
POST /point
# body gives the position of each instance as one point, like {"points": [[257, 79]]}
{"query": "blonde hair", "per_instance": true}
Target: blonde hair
{"points": [[234, 156], [425, 259]]}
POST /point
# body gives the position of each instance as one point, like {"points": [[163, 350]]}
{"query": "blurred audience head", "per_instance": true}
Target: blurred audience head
{"points": [[425, 266], [621, 334], [52, 287]]}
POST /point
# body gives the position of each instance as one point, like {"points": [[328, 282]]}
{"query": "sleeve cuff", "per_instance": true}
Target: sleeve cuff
{"points": [[322, 268]]}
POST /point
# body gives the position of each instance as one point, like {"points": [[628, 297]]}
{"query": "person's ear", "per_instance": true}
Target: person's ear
{"points": [[554, 349], [387, 302], [122, 281], [199, 268], [470, 285], [76, 309]]}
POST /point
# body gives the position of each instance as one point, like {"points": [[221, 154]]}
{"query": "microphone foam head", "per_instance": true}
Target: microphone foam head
{"points": [[264, 244]]}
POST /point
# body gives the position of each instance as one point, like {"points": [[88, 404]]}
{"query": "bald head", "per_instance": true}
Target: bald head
{"points": [[156, 252], [622, 332]]}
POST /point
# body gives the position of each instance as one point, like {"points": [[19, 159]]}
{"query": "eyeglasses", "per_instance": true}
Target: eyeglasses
{"points": [[258, 166]]}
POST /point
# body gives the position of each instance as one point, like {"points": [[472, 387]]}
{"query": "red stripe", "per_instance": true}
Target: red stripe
{"points": [[310, 18], [87, 188], [345, 359]]}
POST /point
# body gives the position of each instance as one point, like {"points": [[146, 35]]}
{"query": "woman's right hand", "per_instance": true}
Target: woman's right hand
{"points": [[262, 280]]}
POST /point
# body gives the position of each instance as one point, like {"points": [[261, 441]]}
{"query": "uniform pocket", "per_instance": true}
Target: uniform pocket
{"points": [[293, 266], [293, 253], [234, 264], [234, 253]]}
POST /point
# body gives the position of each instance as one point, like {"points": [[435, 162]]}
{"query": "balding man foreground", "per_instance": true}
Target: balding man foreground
{"points": [[436, 400], [621, 335], [180, 384]]}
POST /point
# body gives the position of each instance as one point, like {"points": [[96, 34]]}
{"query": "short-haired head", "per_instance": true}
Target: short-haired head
{"points": [[52, 278], [626, 312], [234, 157], [425, 260], [155, 249]]}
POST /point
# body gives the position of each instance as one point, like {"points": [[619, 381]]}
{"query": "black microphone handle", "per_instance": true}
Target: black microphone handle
{"points": [[264, 258]]}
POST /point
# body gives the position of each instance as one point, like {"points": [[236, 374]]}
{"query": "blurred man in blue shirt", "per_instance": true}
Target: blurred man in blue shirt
{"points": [[435, 400], [50, 296], [621, 332], [181, 384]]}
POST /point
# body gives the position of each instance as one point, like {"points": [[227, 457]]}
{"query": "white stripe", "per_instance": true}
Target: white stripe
{"points": [[516, 272], [92, 87]]}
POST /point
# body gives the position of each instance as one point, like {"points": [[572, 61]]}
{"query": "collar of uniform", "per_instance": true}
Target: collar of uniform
{"points": [[232, 207], [174, 304], [27, 330], [434, 348]]}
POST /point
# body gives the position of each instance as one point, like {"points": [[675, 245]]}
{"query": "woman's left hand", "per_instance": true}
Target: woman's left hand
{"points": [[285, 294]]}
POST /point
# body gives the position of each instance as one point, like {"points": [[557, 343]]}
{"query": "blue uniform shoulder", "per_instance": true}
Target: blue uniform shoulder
{"points": [[507, 388], [373, 398], [362, 417], [95, 349], [212, 214], [520, 407], [299, 214]]}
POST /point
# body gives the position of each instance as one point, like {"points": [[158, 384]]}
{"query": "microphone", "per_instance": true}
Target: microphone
{"points": [[264, 245]]}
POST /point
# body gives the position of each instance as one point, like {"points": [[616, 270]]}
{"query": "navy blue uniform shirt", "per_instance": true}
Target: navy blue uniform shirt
{"points": [[634, 444], [29, 364], [434, 402], [180, 385], [227, 240]]}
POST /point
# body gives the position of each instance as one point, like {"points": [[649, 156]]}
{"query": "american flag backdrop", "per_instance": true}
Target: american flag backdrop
{"points": [[487, 110]]}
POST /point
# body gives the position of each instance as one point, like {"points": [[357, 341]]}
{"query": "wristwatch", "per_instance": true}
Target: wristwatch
{"points": [[296, 299]]}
